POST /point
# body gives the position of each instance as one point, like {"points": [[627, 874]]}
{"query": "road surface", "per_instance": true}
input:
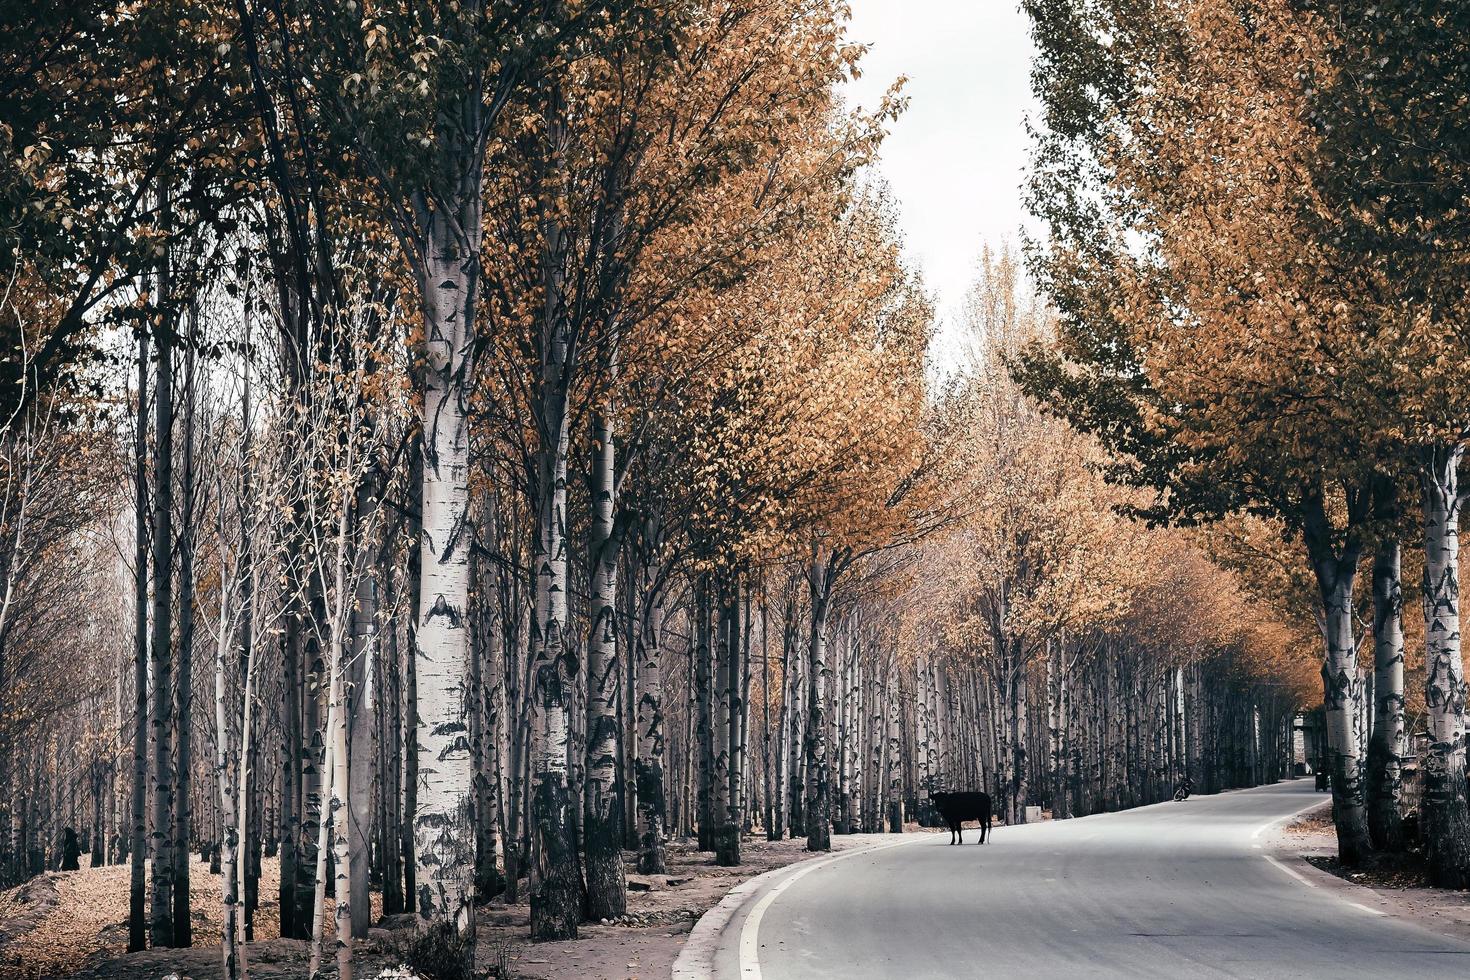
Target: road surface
{"points": [[1174, 890]]}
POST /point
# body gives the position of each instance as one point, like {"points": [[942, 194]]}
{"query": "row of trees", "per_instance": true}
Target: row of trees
{"points": [[1255, 245], [452, 449]]}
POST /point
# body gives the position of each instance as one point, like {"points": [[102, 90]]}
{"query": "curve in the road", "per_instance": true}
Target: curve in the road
{"points": [[1173, 890]]}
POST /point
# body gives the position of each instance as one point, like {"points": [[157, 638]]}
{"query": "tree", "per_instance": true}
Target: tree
{"points": [[1390, 174], [1191, 130]]}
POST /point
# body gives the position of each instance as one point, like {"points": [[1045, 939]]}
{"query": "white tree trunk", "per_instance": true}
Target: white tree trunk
{"points": [[648, 763], [1446, 823], [225, 761], [1385, 779], [1342, 699], [602, 830], [137, 810], [342, 856], [555, 875], [247, 715], [360, 697], [818, 784], [443, 819], [324, 840], [895, 750]]}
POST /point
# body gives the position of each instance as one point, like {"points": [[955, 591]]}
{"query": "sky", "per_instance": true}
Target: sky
{"points": [[955, 158]]}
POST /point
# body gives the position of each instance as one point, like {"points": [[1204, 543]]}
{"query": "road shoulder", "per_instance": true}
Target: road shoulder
{"points": [[712, 935], [1299, 846]]}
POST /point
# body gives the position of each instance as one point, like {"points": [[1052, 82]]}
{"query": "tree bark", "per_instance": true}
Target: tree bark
{"points": [[138, 887], [444, 817], [184, 690], [292, 925], [556, 901], [1385, 752], [818, 807], [410, 716], [1446, 821], [607, 895], [359, 696], [704, 710], [161, 921], [225, 762], [1342, 686], [893, 703], [725, 779], [648, 763]]}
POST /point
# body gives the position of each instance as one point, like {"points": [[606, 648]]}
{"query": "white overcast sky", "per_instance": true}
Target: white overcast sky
{"points": [[955, 159]]}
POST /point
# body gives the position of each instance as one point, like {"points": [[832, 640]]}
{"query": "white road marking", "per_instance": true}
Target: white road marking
{"points": [[1276, 820], [750, 964], [1291, 871], [1301, 878]]}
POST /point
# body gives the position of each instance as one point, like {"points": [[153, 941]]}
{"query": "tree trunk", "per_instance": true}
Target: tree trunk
{"points": [[313, 764], [1342, 685], [292, 925], [781, 763], [727, 774], [818, 806], [705, 676], [1020, 732], [768, 818], [720, 703], [410, 717], [556, 901], [390, 753], [248, 831], [359, 696], [326, 839], [893, 703], [1446, 821], [607, 895], [243, 870], [138, 841], [161, 921], [343, 858], [184, 690], [488, 670], [648, 761], [1385, 782], [444, 816], [795, 717], [225, 762]]}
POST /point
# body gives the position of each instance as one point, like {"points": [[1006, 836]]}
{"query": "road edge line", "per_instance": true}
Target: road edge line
{"points": [[696, 961], [748, 947], [1282, 866]]}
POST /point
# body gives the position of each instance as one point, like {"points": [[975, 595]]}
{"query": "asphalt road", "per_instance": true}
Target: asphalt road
{"points": [[1174, 890]]}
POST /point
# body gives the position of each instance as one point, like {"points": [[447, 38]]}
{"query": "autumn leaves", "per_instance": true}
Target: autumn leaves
{"points": [[1233, 195]]}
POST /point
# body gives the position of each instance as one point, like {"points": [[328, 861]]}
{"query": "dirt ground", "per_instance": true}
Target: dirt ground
{"points": [[74, 924]]}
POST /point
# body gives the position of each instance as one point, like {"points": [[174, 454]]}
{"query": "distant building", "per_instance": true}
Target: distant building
{"points": [[1308, 743]]}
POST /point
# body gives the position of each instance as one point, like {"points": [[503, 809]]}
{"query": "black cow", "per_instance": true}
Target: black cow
{"points": [[956, 808]]}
